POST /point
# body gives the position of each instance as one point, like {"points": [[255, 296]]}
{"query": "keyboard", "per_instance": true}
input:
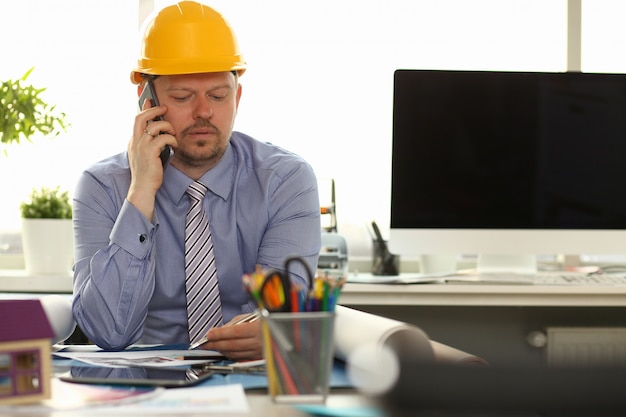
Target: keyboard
{"points": [[541, 278], [580, 279]]}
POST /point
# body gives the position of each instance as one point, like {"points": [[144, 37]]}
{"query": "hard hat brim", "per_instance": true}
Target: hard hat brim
{"points": [[137, 76]]}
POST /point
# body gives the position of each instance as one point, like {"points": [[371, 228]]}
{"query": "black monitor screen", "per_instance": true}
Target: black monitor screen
{"points": [[484, 149]]}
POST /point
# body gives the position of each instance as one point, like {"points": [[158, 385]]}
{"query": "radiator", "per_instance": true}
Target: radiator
{"points": [[586, 346]]}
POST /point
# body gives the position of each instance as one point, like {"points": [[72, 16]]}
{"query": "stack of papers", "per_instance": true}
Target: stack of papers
{"points": [[403, 278], [144, 358]]}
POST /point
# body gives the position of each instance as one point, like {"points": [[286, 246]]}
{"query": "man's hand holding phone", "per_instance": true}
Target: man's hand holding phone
{"points": [[151, 136], [149, 94]]}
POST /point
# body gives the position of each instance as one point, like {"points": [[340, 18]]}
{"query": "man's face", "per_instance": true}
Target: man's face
{"points": [[202, 109]]}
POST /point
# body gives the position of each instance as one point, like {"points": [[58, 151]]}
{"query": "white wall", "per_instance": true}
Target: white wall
{"points": [[319, 80], [320, 77]]}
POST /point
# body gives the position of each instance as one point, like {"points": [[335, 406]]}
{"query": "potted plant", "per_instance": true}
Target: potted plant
{"points": [[23, 113], [47, 236]]}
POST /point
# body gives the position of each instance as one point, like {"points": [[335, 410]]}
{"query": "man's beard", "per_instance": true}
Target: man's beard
{"points": [[197, 156]]}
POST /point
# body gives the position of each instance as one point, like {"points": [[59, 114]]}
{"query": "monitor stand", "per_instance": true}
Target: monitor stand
{"points": [[519, 264]]}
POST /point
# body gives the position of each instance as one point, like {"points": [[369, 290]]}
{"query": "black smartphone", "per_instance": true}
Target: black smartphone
{"points": [[137, 376], [148, 93]]}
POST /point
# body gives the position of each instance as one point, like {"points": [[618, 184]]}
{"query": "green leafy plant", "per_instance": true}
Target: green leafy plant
{"points": [[47, 203], [24, 113]]}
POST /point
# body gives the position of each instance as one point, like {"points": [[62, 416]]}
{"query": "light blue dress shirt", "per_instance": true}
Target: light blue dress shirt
{"points": [[129, 276]]}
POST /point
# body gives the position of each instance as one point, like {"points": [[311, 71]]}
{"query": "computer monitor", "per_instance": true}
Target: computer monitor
{"points": [[508, 165]]}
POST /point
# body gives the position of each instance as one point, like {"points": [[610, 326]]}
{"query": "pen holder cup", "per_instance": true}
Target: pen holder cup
{"points": [[298, 349], [384, 262]]}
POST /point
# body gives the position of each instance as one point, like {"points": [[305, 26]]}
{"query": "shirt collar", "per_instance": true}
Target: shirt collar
{"points": [[218, 179]]}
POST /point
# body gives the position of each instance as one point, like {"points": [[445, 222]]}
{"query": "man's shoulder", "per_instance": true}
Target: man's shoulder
{"points": [[111, 165], [263, 154], [112, 171]]}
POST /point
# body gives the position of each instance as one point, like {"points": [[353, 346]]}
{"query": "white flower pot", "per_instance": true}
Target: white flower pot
{"points": [[48, 246]]}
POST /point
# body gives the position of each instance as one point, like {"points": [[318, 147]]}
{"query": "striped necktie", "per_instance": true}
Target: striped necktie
{"points": [[204, 309]]}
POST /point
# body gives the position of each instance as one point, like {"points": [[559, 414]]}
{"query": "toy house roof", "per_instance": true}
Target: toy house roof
{"points": [[23, 320]]}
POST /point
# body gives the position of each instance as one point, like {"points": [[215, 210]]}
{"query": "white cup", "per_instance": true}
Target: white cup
{"points": [[443, 264]]}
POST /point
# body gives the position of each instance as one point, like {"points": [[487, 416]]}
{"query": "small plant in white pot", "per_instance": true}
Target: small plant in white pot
{"points": [[47, 235]]}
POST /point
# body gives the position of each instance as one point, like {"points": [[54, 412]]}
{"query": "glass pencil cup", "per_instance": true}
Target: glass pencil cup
{"points": [[298, 349]]}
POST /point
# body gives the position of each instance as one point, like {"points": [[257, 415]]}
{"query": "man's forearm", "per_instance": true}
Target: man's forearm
{"points": [[111, 296]]}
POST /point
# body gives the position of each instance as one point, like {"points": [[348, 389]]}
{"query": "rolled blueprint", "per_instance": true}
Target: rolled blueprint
{"points": [[374, 347], [354, 329], [448, 354], [58, 309]]}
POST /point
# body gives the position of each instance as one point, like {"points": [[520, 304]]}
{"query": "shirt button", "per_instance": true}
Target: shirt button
{"points": [[143, 238]]}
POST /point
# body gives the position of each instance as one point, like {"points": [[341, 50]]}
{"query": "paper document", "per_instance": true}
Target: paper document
{"points": [[67, 396], [193, 400], [94, 400], [143, 358], [403, 278]]}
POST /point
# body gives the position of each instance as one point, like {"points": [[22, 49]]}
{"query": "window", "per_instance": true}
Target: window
{"points": [[6, 384], [23, 367], [81, 52]]}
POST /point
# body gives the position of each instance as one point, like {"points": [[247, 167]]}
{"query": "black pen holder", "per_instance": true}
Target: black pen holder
{"points": [[384, 262]]}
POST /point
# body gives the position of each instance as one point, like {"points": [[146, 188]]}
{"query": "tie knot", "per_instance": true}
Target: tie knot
{"points": [[197, 190]]}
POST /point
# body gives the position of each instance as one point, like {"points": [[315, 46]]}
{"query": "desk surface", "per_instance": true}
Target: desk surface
{"points": [[340, 398], [482, 295], [262, 406]]}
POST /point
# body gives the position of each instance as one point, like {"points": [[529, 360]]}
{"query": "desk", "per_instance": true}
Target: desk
{"points": [[259, 403], [492, 321], [481, 295], [342, 396], [17, 281]]}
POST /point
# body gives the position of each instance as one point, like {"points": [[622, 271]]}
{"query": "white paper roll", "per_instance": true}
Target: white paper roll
{"points": [[372, 345], [59, 311]]}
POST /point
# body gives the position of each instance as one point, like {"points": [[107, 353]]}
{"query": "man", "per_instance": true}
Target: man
{"points": [[130, 210]]}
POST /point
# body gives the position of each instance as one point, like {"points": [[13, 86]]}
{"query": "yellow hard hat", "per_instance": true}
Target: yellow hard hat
{"points": [[187, 38]]}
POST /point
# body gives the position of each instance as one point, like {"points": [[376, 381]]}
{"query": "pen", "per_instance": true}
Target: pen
{"points": [[295, 299], [202, 358], [229, 369], [248, 318]]}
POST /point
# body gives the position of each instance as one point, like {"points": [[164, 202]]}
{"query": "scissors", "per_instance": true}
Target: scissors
{"points": [[276, 290]]}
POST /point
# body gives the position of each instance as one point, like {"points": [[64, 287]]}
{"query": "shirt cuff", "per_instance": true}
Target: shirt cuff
{"points": [[133, 232]]}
